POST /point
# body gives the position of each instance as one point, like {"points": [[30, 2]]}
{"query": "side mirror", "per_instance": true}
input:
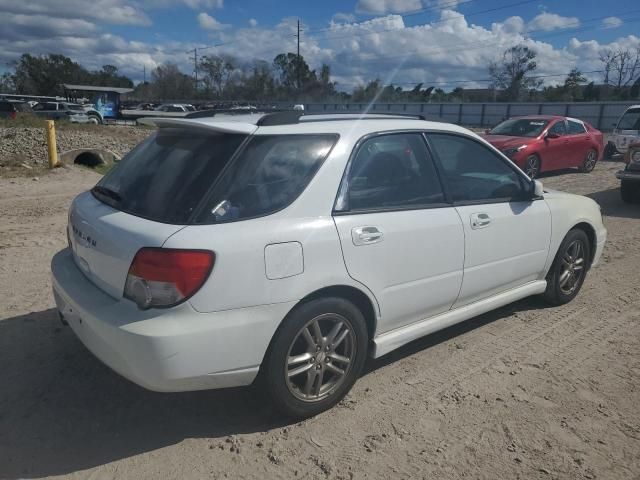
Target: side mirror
{"points": [[538, 190], [551, 135], [486, 131]]}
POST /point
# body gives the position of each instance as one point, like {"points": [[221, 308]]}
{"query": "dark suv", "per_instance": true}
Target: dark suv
{"points": [[10, 109]]}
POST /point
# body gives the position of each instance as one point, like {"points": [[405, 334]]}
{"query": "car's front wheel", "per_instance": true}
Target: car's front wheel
{"points": [[316, 356], [569, 268], [630, 191]]}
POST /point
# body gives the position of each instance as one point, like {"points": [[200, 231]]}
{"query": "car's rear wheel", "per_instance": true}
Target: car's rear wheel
{"points": [[532, 166], [609, 151], [569, 268], [94, 119], [316, 356], [590, 160]]}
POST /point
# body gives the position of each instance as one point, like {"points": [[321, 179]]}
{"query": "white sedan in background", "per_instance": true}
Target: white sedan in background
{"points": [[293, 246]]}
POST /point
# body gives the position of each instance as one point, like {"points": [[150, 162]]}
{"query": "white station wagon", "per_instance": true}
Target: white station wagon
{"points": [[225, 249]]}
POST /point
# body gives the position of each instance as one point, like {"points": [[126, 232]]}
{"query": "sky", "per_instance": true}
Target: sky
{"points": [[446, 43]]}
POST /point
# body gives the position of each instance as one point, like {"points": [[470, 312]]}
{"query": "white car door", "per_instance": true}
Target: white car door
{"points": [[507, 232], [399, 237]]}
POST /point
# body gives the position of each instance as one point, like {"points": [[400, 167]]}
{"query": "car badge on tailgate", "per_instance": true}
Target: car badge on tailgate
{"points": [[86, 239]]}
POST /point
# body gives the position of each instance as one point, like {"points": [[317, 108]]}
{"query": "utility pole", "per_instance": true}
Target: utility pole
{"points": [[144, 74], [298, 57], [195, 65]]}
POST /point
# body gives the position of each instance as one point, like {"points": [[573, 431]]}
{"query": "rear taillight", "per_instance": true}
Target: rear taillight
{"points": [[164, 277]]}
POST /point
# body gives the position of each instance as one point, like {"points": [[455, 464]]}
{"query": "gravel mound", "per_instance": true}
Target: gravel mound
{"points": [[29, 145]]}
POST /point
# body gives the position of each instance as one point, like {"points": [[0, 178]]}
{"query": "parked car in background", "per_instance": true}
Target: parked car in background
{"points": [[11, 109], [62, 111], [544, 143], [630, 176], [626, 131], [175, 107], [296, 246]]}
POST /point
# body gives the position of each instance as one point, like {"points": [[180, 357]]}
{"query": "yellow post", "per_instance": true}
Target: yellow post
{"points": [[51, 144]]}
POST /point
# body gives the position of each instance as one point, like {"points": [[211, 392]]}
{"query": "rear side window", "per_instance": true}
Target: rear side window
{"points": [[575, 128], [167, 176], [558, 128], [473, 172], [391, 171], [267, 176]]}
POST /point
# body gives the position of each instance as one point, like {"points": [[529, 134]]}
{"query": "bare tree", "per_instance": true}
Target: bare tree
{"points": [[218, 72], [512, 73], [621, 67]]}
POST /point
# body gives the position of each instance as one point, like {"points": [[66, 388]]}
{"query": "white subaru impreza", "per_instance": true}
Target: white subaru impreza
{"points": [[292, 247]]}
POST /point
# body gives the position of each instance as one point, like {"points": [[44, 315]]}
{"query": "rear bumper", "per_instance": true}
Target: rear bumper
{"points": [[170, 350], [628, 175]]}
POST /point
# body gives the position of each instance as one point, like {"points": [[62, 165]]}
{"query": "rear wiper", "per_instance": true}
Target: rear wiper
{"points": [[107, 192]]}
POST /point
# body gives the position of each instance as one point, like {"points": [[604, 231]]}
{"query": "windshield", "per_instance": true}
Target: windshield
{"points": [[166, 176], [630, 120], [520, 127]]}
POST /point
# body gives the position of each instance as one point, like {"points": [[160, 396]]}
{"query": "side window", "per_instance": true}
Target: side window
{"points": [[575, 128], [558, 128], [473, 172], [392, 171]]}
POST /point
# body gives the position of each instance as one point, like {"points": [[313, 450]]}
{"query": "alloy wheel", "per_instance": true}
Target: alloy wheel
{"points": [[590, 161], [572, 267], [532, 166], [320, 357]]}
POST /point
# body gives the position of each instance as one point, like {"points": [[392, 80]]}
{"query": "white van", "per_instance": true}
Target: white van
{"points": [[625, 132]]}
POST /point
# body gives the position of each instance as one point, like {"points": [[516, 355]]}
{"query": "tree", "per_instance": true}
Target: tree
{"points": [[621, 67], [572, 84], [170, 83], [512, 73], [217, 73], [293, 71], [6, 83]]}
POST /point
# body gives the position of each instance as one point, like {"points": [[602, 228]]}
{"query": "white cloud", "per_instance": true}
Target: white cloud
{"points": [[200, 4], [253, 22], [611, 22], [341, 17], [107, 11], [551, 21], [207, 22], [381, 7]]}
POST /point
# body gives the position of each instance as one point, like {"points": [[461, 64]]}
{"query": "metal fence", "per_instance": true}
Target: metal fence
{"points": [[601, 115]]}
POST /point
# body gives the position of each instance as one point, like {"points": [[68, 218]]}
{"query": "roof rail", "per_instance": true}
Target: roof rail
{"points": [[291, 117]]}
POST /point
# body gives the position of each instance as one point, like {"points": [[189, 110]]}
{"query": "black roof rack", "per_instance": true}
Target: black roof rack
{"points": [[291, 117]]}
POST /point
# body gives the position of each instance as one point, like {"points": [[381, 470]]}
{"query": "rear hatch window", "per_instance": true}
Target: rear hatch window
{"points": [[166, 176], [184, 177]]}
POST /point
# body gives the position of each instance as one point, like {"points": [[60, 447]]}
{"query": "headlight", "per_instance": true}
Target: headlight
{"points": [[635, 156], [509, 152]]}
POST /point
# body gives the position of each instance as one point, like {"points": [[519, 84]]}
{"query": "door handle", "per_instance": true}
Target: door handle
{"points": [[480, 220], [366, 235]]}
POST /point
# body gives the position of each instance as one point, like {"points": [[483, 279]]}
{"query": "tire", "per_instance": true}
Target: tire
{"points": [[532, 166], [629, 191], [311, 383], [94, 120], [590, 160], [609, 151], [569, 268]]}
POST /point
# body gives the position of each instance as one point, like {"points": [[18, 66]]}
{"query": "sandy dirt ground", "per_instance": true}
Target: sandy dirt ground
{"points": [[525, 392]]}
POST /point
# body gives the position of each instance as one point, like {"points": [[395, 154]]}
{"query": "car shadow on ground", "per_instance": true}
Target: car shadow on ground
{"points": [[62, 411], [613, 206]]}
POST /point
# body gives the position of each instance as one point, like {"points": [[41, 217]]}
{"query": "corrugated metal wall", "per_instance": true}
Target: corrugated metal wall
{"points": [[599, 114]]}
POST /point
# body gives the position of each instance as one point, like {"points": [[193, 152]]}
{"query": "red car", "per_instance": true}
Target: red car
{"points": [[542, 143]]}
